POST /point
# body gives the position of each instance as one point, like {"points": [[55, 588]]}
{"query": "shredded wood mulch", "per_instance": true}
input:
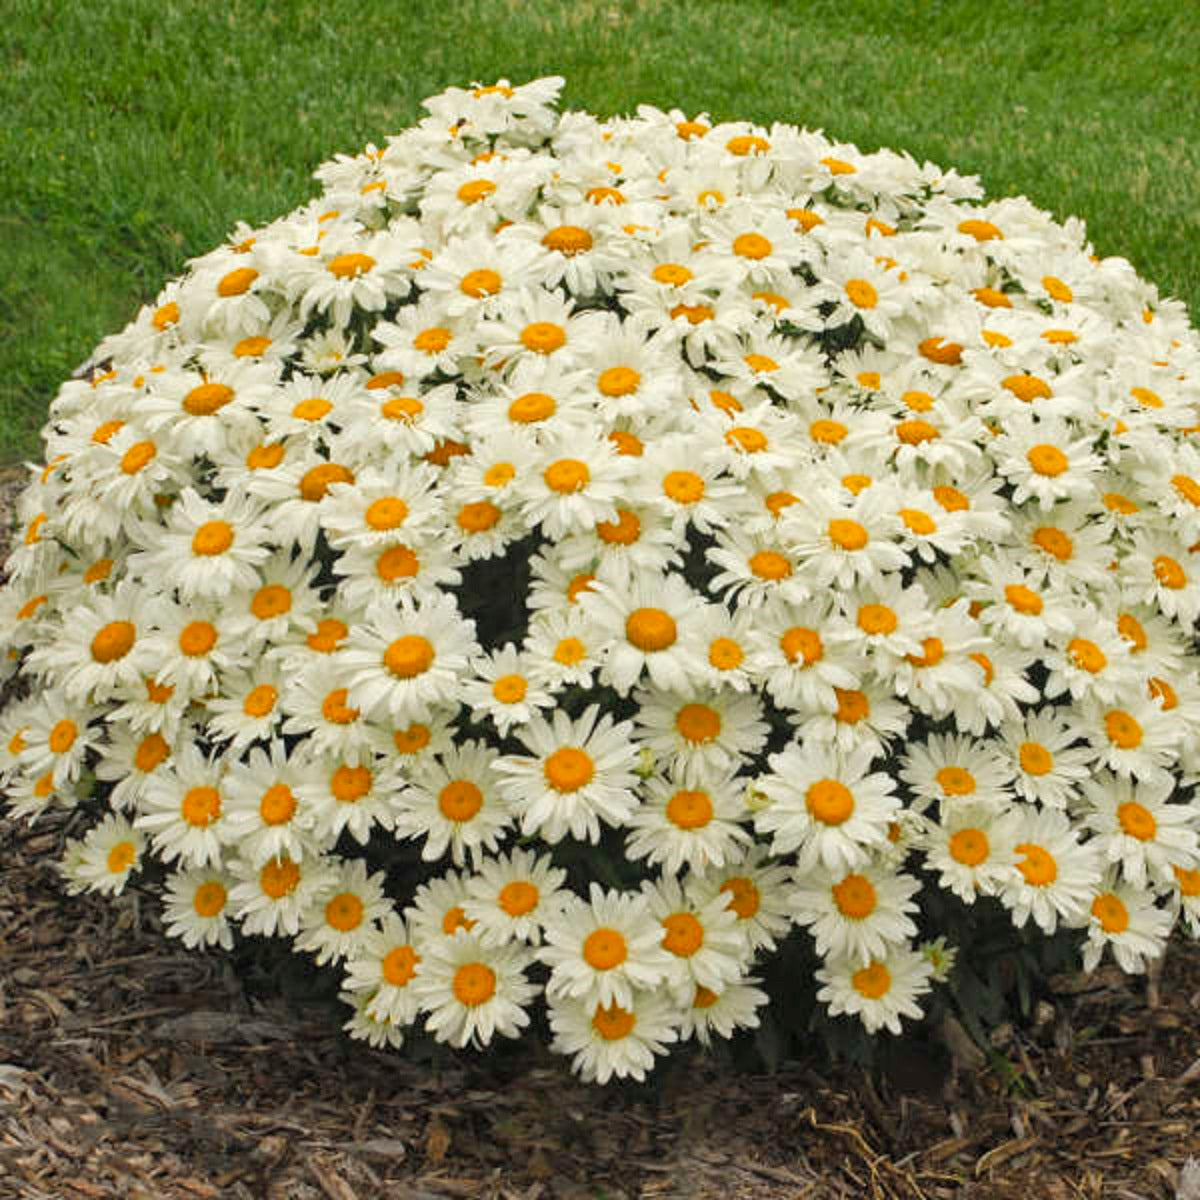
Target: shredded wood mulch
{"points": [[133, 1068]]}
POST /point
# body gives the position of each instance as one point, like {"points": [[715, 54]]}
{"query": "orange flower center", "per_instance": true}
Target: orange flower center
{"points": [[969, 847], [474, 984], [518, 898], [409, 656], [683, 935], [568, 769], [113, 641], [829, 802], [460, 800], [650, 629]]}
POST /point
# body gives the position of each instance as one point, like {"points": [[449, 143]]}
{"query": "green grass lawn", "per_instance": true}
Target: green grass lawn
{"points": [[136, 132]]}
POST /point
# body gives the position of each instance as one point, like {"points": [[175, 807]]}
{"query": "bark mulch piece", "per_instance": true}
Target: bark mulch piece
{"points": [[133, 1068]]}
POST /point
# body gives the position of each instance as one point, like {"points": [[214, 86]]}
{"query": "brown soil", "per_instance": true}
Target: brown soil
{"points": [[133, 1068]]}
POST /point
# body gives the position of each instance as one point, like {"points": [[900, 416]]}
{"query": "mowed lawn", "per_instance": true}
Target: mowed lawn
{"points": [[135, 133]]}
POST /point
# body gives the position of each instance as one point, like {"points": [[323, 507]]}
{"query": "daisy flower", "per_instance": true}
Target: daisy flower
{"points": [[878, 993], [646, 626], [511, 897], [601, 949], [856, 914], [183, 808], [271, 899], [949, 769], [613, 1040], [755, 889], [103, 860], [334, 927], [1125, 918], [381, 970], [708, 947], [826, 805], [1137, 829], [722, 1013], [504, 689], [972, 847], [195, 908], [262, 811], [471, 992], [351, 794], [455, 803], [1047, 764], [407, 656], [696, 823], [577, 774], [1055, 876]]}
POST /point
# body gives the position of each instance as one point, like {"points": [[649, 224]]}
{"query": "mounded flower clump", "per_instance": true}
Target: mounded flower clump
{"points": [[571, 556]]}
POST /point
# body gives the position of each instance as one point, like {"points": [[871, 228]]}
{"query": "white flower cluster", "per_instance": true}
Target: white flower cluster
{"points": [[841, 525]]}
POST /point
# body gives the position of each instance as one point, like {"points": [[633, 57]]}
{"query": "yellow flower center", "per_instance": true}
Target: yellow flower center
{"points": [[208, 900], [401, 408], [510, 689], [260, 700], [744, 896], [604, 949], [480, 283], [854, 897], [826, 431], [62, 736], [474, 984], [1187, 487], [121, 857], [705, 997], [475, 190], [751, 245], [852, 705], [940, 351], [624, 531], [1027, 387], [460, 800], [113, 641], [569, 651], [689, 809], [684, 487], [1123, 730], [933, 650], [206, 399], [455, 919], [1169, 573], [279, 878], [1054, 542], [618, 381], [251, 347], [694, 314], [328, 635], [264, 457], [650, 629], [201, 806], [397, 562], [1023, 599], [873, 981], [877, 619], [683, 934], [1048, 460], [1038, 866], [1111, 912], [981, 231], [413, 739], [613, 1022], [317, 481], [335, 709], [400, 966], [1086, 655], [725, 654], [747, 143], [543, 337], [518, 898], [955, 781], [409, 656], [829, 801], [799, 643], [499, 474], [166, 316], [532, 407], [914, 431], [568, 769], [671, 274], [861, 293], [344, 912], [769, 565], [212, 538], [991, 298], [567, 475], [1035, 759], [150, 753], [1189, 881], [349, 784], [698, 723], [849, 535], [969, 847], [567, 239], [1137, 821], [197, 639]]}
